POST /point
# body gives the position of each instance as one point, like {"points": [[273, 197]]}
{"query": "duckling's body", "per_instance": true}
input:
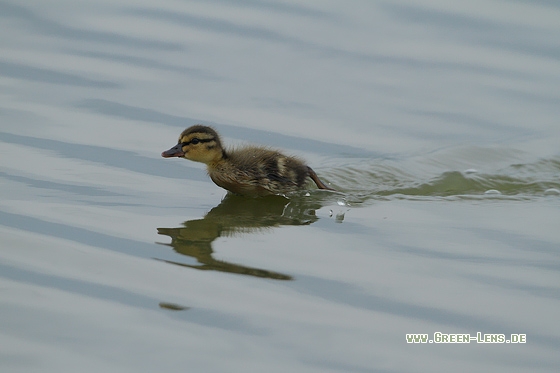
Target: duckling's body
{"points": [[254, 171]]}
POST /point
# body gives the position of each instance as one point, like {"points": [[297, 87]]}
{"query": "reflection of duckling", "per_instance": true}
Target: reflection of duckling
{"points": [[237, 215], [251, 170]]}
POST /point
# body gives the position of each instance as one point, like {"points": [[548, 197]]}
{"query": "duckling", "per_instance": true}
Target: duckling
{"points": [[253, 171]]}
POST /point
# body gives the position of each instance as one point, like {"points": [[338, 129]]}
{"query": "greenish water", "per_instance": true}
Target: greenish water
{"points": [[393, 179], [436, 123]]}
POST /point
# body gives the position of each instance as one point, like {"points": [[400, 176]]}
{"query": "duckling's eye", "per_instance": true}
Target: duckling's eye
{"points": [[195, 140]]}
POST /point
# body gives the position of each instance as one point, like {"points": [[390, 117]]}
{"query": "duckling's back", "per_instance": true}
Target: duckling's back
{"points": [[259, 171]]}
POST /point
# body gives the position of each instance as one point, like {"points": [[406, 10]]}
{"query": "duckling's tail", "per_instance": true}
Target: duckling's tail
{"points": [[317, 181]]}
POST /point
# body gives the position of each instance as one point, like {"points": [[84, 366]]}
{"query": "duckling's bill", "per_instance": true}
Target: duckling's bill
{"points": [[176, 151]]}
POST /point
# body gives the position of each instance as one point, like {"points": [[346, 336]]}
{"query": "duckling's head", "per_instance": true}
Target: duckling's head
{"points": [[197, 143]]}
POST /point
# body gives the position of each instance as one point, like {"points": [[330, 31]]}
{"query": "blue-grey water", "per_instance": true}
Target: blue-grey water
{"points": [[437, 122]]}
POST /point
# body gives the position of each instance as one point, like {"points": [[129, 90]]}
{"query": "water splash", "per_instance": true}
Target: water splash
{"points": [[552, 192]]}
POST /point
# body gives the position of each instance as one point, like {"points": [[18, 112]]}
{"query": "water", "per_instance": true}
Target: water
{"points": [[436, 122]]}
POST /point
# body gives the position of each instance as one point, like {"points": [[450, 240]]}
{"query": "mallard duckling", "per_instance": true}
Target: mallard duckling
{"points": [[254, 171]]}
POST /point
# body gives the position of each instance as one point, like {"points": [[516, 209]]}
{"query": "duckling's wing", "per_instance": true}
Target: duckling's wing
{"points": [[265, 171], [280, 178]]}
